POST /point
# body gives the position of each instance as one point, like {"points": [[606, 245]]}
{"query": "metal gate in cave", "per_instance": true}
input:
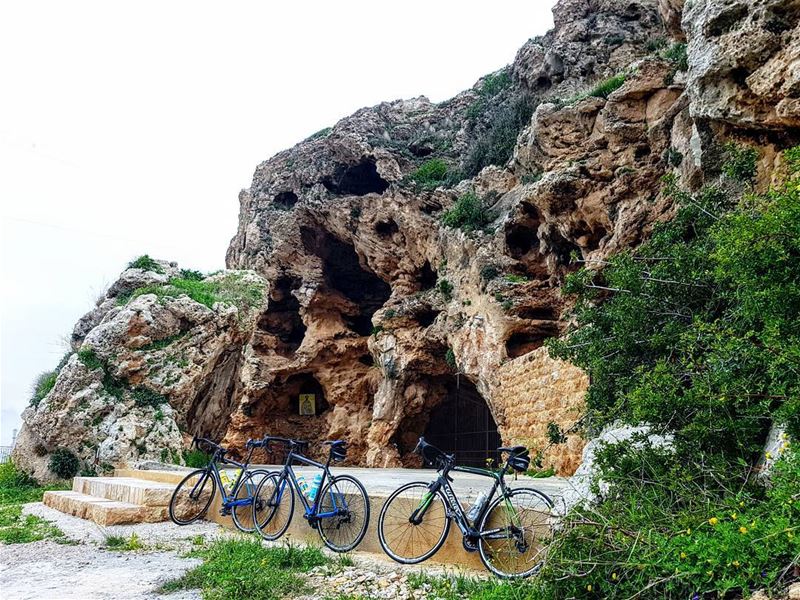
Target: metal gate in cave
{"points": [[463, 425]]}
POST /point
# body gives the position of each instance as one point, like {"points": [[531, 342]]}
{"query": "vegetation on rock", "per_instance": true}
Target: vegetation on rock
{"points": [[146, 263], [64, 463], [467, 214]]}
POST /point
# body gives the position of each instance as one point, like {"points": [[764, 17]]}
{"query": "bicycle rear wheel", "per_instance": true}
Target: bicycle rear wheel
{"points": [[513, 531], [243, 513], [273, 506], [192, 497], [346, 497], [413, 523]]}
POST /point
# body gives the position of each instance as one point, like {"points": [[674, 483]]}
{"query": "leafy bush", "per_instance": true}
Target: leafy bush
{"points": [[696, 334], [243, 568], [445, 289], [231, 288], [740, 162], [677, 55], [431, 173], [146, 263], [192, 275], [42, 386], [196, 459], [18, 487], [605, 88], [90, 359], [450, 359], [64, 463], [467, 214], [143, 396], [496, 145]]}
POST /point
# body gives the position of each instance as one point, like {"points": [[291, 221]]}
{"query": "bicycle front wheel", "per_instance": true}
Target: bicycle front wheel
{"points": [[273, 506], [243, 513], [192, 497], [343, 513], [512, 533], [413, 523]]}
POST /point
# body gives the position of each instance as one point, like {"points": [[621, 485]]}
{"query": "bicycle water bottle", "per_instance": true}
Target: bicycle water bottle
{"points": [[303, 485], [312, 494], [476, 509]]}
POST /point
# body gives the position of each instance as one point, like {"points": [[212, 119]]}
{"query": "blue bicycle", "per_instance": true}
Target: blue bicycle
{"points": [[338, 508], [193, 496]]}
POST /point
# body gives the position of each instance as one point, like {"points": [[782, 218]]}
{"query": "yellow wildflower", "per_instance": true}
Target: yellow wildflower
{"points": [[689, 531], [589, 588], [768, 455], [741, 504], [736, 563], [710, 573], [614, 576], [742, 529], [733, 516], [713, 521], [683, 554]]}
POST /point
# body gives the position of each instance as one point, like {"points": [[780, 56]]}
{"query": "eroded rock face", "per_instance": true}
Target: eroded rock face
{"points": [[150, 369], [383, 320], [744, 59]]}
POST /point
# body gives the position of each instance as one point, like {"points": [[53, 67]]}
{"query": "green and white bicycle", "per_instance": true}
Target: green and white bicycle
{"points": [[506, 526]]}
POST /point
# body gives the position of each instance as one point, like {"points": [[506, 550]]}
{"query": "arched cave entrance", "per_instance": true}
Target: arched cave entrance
{"points": [[345, 274], [282, 321], [462, 424]]}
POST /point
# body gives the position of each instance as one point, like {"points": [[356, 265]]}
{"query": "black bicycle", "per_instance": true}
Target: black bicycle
{"points": [[193, 496], [338, 509], [507, 530]]}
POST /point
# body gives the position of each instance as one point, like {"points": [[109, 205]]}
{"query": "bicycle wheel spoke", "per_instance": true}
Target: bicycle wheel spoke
{"points": [[520, 524], [405, 540], [192, 498], [346, 508], [272, 507]]}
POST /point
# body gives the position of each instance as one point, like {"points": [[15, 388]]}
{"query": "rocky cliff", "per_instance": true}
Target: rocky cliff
{"points": [[414, 253]]}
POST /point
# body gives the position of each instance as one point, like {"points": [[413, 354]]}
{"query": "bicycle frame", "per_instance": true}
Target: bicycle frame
{"points": [[311, 510], [228, 502], [454, 508]]}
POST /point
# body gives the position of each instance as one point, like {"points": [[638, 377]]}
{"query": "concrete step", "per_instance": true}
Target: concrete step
{"points": [[125, 489], [102, 510]]}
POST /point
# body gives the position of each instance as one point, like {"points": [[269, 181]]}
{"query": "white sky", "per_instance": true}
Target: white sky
{"points": [[130, 127]]}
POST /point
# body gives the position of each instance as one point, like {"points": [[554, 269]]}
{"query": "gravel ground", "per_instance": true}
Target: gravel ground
{"points": [[85, 570]]}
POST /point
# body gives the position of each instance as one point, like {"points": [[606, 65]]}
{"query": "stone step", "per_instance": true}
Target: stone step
{"points": [[125, 489], [102, 510]]}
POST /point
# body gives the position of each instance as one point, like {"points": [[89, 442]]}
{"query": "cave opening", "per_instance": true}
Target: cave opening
{"points": [[282, 318], [454, 418], [345, 274], [462, 424], [522, 241], [533, 337], [426, 317], [358, 180], [426, 276], [386, 228], [285, 200]]}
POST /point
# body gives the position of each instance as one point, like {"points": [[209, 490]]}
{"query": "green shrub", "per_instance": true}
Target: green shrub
{"points": [[740, 162], [514, 278], [232, 289], [123, 544], [677, 55], [64, 464], [16, 528], [450, 359], [489, 272], [430, 174], [143, 396], [196, 459], [90, 359], [146, 263], [494, 83], [495, 145], [42, 386], [445, 289], [18, 487], [467, 214], [655, 44], [192, 275], [605, 88], [243, 568]]}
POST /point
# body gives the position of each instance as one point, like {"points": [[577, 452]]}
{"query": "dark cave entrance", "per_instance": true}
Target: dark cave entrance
{"points": [[345, 274], [522, 241], [282, 317], [358, 180], [462, 424]]}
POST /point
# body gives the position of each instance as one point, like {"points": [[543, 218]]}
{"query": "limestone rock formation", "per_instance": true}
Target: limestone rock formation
{"points": [[149, 364], [414, 253]]}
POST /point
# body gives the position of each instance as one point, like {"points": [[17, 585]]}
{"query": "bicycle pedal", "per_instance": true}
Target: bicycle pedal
{"points": [[469, 545]]}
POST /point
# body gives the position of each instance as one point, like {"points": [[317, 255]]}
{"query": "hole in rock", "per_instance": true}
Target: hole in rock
{"points": [[740, 76], [538, 313], [426, 276], [522, 240], [563, 249], [386, 228], [282, 317], [358, 180], [420, 149], [588, 237], [543, 83], [345, 274], [285, 200], [426, 317], [462, 424], [522, 342], [727, 20], [633, 12], [367, 359], [641, 151]]}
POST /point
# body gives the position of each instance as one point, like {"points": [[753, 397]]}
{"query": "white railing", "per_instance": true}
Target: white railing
{"points": [[5, 453]]}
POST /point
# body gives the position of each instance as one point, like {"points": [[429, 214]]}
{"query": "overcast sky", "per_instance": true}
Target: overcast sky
{"points": [[130, 127]]}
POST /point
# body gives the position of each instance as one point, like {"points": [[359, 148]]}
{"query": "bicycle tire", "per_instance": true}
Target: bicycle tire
{"points": [[538, 515], [329, 528], [267, 526], [243, 514], [202, 502], [412, 502]]}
